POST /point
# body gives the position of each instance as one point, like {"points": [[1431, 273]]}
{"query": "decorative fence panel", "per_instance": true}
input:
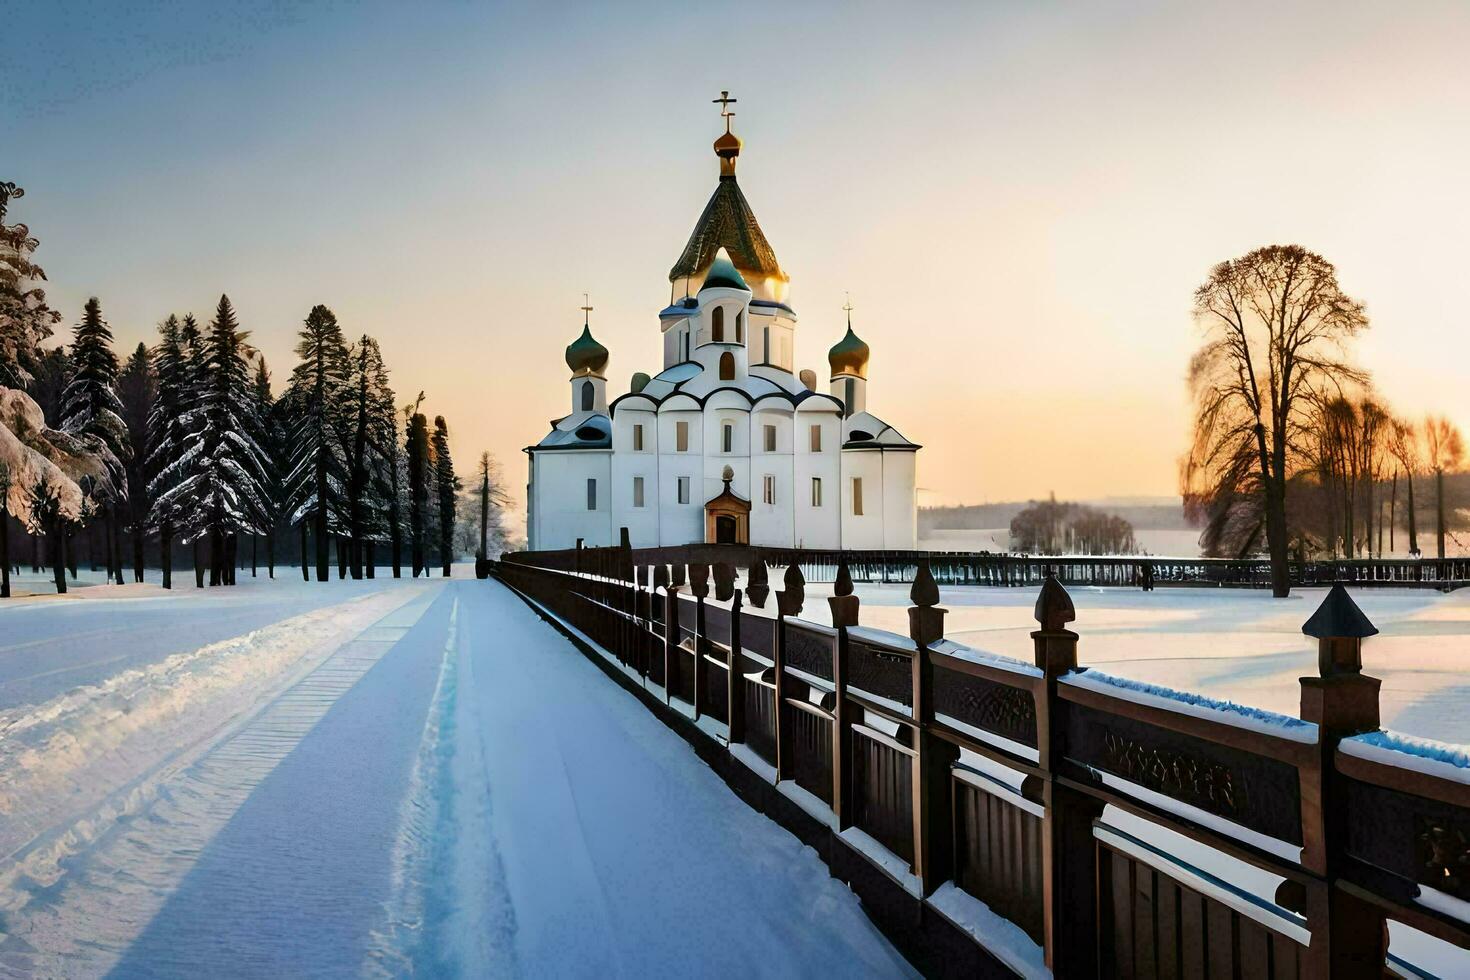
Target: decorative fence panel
{"points": [[883, 786], [1153, 926], [998, 855]]}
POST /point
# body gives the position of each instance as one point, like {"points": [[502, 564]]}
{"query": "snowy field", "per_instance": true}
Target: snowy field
{"points": [[371, 778], [1236, 644]]}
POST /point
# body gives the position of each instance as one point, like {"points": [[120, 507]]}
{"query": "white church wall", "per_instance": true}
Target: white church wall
{"points": [[900, 515], [561, 511], [817, 525], [864, 531], [630, 463], [771, 524], [680, 523]]}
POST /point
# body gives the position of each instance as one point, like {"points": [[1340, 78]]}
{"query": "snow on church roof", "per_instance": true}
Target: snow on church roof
{"points": [[582, 430]]}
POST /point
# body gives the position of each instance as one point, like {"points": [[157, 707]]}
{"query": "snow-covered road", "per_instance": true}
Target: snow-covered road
{"points": [[380, 778]]}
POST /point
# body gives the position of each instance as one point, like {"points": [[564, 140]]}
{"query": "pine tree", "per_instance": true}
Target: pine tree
{"points": [[91, 410], [272, 442], [448, 486], [167, 433], [314, 478], [224, 494], [418, 488], [363, 449], [25, 319], [137, 388]]}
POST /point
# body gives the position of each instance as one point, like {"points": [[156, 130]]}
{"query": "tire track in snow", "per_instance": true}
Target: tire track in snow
{"points": [[448, 912], [71, 903]]}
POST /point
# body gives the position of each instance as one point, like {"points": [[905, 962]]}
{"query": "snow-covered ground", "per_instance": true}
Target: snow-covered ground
{"points": [[378, 777]]}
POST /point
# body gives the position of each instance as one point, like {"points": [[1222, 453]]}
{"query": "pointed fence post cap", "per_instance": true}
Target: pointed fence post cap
{"points": [[924, 591], [757, 574], [843, 583], [1338, 618], [699, 580], [661, 577], [724, 574], [1054, 609], [793, 579]]}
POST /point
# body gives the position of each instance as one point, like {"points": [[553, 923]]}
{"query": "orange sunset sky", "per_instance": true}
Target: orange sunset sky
{"points": [[1019, 197]]}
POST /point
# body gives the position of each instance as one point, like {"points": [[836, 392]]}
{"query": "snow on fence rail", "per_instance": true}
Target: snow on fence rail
{"points": [[981, 568], [989, 783]]}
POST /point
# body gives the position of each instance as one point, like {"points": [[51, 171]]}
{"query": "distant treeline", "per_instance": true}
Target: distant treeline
{"points": [[1142, 517]]}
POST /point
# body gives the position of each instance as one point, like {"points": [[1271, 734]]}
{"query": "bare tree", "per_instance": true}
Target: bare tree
{"points": [[1274, 323], [1445, 450], [1404, 446]]}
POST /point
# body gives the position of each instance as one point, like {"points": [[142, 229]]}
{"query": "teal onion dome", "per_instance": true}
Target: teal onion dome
{"points": [[586, 356], [849, 356], [722, 273]]}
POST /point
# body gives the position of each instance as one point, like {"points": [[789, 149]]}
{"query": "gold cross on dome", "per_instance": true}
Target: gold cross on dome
{"points": [[724, 100], [586, 310], [848, 307]]}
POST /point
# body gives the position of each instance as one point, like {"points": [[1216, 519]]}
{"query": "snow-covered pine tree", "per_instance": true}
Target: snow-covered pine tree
{"points": [[314, 477], [224, 494], [419, 476], [137, 388], [91, 410], [167, 434], [272, 442], [382, 442], [367, 378], [447, 487]]}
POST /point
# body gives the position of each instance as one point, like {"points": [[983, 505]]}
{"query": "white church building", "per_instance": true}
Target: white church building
{"points": [[728, 443]]}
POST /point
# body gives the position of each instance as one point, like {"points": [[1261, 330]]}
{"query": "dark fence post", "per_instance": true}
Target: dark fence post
{"points": [[844, 606], [788, 603], [735, 683], [671, 640], [933, 758], [1068, 851], [1349, 935], [699, 588]]}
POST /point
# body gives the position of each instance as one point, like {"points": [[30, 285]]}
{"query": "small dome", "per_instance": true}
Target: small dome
{"points": [[728, 145], [722, 273], [586, 356], [849, 356]]}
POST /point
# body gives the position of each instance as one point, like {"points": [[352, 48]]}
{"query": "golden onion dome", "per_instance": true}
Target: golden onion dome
{"points": [[586, 356], [849, 356]]}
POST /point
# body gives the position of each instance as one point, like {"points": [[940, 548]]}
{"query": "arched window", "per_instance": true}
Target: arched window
{"points": [[739, 328], [588, 393], [727, 366], [718, 324]]}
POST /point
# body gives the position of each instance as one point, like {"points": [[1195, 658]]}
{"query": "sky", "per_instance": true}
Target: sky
{"points": [[1019, 197]]}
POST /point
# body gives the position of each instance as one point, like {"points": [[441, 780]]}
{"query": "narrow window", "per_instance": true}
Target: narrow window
{"points": [[740, 328], [816, 491], [766, 344], [770, 438], [816, 438], [727, 366], [683, 489], [727, 438], [681, 437], [847, 392], [857, 496], [638, 438], [587, 396], [768, 491], [591, 494], [717, 328], [637, 491]]}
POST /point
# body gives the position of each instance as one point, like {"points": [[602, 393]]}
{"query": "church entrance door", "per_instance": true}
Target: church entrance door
{"points": [[725, 530]]}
